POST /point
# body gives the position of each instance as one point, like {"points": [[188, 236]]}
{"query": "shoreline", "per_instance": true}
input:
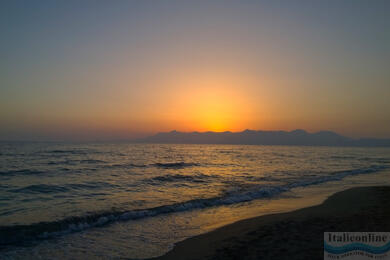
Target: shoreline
{"points": [[293, 235]]}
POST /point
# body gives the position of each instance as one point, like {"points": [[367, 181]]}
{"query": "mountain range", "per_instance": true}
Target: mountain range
{"points": [[295, 137]]}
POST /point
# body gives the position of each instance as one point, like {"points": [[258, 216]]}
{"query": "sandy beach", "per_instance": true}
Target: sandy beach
{"points": [[292, 235]]}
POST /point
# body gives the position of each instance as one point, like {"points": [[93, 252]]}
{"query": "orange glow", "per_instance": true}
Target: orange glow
{"points": [[210, 103], [214, 111]]}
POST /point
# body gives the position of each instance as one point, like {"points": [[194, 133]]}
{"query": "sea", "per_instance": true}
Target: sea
{"points": [[135, 201]]}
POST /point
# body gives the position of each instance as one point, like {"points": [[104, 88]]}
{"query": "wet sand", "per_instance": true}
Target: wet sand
{"points": [[292, 235]]}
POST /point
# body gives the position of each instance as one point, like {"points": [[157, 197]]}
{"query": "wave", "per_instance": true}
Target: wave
{"points": [[20, 172], [65, 152], [124, 165], [75, 162], [228, 152], [133, 165], [40, 188], [367, 159], [91, 185], [21, 233], [65, 162], [375, 160], [342, 157], [92, 161], [47, 188], [337, 176], [180, 177], [75, 151], [174, 165]]}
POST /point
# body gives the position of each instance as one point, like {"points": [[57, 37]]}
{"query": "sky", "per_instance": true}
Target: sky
{"points": [[109, 70]]}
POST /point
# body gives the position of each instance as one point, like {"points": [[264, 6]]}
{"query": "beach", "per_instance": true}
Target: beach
{"points": [[293, 235]]}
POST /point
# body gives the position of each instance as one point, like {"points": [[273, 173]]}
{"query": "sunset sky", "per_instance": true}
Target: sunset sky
{"points": [[107, 70]]}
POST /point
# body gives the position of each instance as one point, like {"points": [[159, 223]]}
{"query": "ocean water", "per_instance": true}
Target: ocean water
{"points": [[121, 200]]}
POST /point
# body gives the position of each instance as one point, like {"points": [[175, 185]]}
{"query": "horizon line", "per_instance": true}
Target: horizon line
{"points": [[49, 139]]}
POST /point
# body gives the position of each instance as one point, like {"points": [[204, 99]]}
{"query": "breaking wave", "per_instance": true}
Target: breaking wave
{"points": [[21, 234]]}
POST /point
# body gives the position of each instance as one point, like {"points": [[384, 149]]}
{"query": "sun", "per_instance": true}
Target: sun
{"points": [[211, 103], [215, 110], [213, 114]]}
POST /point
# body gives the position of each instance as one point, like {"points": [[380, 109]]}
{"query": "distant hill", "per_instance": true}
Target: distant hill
{"points": [[296, 137]]}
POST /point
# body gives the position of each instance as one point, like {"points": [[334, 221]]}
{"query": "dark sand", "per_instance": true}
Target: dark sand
{"points": [[292, 235]]}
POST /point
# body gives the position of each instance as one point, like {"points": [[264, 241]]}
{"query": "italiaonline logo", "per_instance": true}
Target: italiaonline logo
{"points": [[357, 245]]}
